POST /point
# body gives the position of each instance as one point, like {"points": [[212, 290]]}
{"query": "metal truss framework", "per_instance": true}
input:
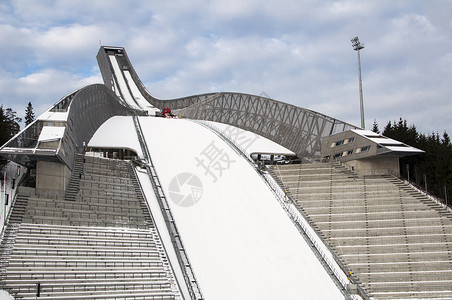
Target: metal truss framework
{"points": [[87, 109], [298, 129], [295, 128]]}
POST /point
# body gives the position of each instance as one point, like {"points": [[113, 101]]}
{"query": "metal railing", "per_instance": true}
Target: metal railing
{"points": [[187, 270]]}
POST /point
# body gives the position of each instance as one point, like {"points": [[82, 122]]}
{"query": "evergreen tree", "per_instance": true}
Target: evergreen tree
{"points": [[29, 114], [434, 166], [375, 127], [9, 126]]}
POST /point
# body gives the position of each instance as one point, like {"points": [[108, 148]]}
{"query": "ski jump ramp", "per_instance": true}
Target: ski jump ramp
{"points": [[235, 238], [240, 241]]}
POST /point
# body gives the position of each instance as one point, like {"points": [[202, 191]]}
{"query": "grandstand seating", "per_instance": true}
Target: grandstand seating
{"points": [[100, 244], [396, 241]]}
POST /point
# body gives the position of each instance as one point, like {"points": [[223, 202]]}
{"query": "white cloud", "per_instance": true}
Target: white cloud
{"points": [[295, 51], [43, 89]]}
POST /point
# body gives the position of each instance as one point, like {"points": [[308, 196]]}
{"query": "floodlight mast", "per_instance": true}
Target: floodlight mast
{"points": [[357, 46]]}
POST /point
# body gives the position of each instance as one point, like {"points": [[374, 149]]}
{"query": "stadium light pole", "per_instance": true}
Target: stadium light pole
{"points": [[357, 46]]}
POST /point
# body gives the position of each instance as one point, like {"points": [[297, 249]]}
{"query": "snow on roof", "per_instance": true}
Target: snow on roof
{"points": [[249, 141], [53, 116], [116, 132], [403, 149], [51, 133], [388, 143], [367, 133], [385, 141]]}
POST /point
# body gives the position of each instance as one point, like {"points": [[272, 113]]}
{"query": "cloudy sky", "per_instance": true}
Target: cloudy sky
{"points": [[296, 51]]}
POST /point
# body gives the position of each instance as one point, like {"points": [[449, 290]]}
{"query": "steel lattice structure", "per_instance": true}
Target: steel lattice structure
{"points": [[87, 109], [298, 129], [295, 128]]}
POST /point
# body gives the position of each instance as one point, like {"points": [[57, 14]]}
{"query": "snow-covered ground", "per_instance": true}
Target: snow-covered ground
{"points": [[4, 295], [239, 240]]}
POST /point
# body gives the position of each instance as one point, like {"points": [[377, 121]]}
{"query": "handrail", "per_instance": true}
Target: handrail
{"points": [[153, 221], [334, 266], [13, 194], [423, 192], [182, 257]]}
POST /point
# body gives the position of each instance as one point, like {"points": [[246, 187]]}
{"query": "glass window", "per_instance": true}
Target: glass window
{"points": [[340, 143]]}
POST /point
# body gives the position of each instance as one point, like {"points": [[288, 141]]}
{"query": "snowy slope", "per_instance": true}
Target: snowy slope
{"points": [[122, 83], [239, 240], [141, 101]]}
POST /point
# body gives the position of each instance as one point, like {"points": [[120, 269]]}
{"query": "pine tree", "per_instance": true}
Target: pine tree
{"points": [[375, 127], [9, 126], [29, 114], [435, 165]]}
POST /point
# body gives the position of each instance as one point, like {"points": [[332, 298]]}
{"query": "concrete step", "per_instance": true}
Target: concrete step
{"points": [[83, 240], [411, 225], [371, 217], [396, 257], [404, 276], [142, 294], [103, 212], [66, 262], [108, 200], [412, 288], [73, 221], [391, 248], [85, 231], [418, 266], [363, 208], [106, 179], [69, 274], [96, 289], [327, 200], [80, 205], [85, 184], [427, 295], [108, 192], [439, 237]]}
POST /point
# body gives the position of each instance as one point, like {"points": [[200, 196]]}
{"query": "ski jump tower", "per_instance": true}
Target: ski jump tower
{"points": [[48, 145], [52, 147]]}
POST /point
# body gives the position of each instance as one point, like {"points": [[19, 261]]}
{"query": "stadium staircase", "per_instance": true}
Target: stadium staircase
{"points": [[396, 241], [100, 244]]}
